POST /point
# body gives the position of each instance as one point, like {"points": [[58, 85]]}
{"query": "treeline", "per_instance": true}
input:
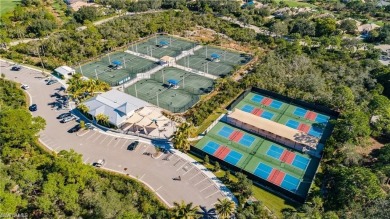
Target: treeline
{"points": [[72, 47], [39, 185]]}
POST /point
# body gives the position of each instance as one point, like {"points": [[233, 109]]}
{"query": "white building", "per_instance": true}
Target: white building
{"points": [[65, 71]]}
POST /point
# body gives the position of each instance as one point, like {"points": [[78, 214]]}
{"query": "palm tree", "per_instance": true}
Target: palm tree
{"points": [[207, 213], [225, 208], [83, 108], [184, 211], [103, 119]]}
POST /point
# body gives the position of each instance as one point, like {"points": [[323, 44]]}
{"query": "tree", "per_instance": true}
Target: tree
{"points": [[207, 213], [184, 211], [225, 208], [180, 138], [347, 187], [206, 159], [83, 108], [227, 176], [217, 167], [102, 119], [243, 186], [325, 26], [352, 126], [279, 28], [349, 26], [343, 98], [86, 13], [304, 27]]}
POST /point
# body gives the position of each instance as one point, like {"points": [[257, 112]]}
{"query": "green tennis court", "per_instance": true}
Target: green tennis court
{"points": [[104, 69], [162, 45], [220, 143], [159, 94], [190, 82]]}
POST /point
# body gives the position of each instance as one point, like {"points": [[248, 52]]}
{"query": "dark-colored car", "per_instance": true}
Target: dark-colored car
{"points": [[33, 107], [76, 128], [132, 146], [63, 115], [16, 68], [51, 82]]}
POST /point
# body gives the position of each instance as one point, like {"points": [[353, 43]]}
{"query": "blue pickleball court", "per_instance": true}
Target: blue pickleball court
{"points": [[247, 140], [211, 147], [315, 131], [267, 115], [247, 108], [225, 131], [322, 118], [263, 171], [292, 124], [300, 112], [300, 162], [290, 183], [233, 157], [257, 98], [276, 104], [275, 152]]}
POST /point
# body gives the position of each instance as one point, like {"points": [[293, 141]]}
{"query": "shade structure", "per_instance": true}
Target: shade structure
{"points": [[215, 56], [173, 82], [116, 62]]}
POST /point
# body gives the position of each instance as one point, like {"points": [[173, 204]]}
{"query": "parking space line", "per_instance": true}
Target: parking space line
{"points": [[188, 170], [213, 194], [158, 188], [109, 143], [94, 133], [185, 163], [193, 176], [86, 160], [201, 181], [206, 187], [124, 144], [117, 142], [99, 138], [141, 176]]}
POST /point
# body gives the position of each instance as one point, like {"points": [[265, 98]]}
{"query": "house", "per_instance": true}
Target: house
{"points": [[116, 105], [64, 71]]}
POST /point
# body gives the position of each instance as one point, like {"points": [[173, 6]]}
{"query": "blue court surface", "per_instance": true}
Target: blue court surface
{"points": [[290, 183], [257, 98], [275, 152], [300, 112], [247, 140], [233, 157], [225, 132], [292, 124], [267, 115], [263, 171], [316, 132], [211, 147], [276, 104], [322, 118], [247, 108], [300, 162]]}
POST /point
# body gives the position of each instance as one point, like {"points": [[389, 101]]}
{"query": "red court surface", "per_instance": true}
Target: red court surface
{"points": [[218, 151], [283, 156], [233, 135], [304, 128], [266, 101], [271, 176], [238, 137], [279, 178], [257, 112], [290, 157], [311, 115], [224, 153]]}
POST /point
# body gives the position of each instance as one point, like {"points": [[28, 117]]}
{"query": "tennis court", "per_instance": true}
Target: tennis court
{"points": [[193, 83], [290, 183], [301, 162], [232, 134], [162, 45], [161, 95], [116, 68]]}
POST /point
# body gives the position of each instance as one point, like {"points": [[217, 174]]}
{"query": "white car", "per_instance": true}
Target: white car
{"points": [[100, 163], [25, 86]]}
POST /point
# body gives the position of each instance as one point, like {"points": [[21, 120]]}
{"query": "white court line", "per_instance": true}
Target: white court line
{"points": [[206, 187], [213, 194], [201, 181]]}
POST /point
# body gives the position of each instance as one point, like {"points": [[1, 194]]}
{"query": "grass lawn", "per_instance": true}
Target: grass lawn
{"points": [[7, 5], [272, 202], [207, 122]]}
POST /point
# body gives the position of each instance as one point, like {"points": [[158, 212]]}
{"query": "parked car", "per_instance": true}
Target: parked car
{"points": [[63, 115], [33, 107], [76, 128], [16, 68], [89, 125], [100, 163], [25, 86], [51, 82], [68, 119], [133, 145]]}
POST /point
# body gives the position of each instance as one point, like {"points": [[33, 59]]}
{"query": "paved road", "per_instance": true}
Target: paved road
{"points": [[158, 173]]}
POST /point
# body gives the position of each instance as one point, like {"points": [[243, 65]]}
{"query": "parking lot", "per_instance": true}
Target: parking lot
{"points": [[158, 173]]}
